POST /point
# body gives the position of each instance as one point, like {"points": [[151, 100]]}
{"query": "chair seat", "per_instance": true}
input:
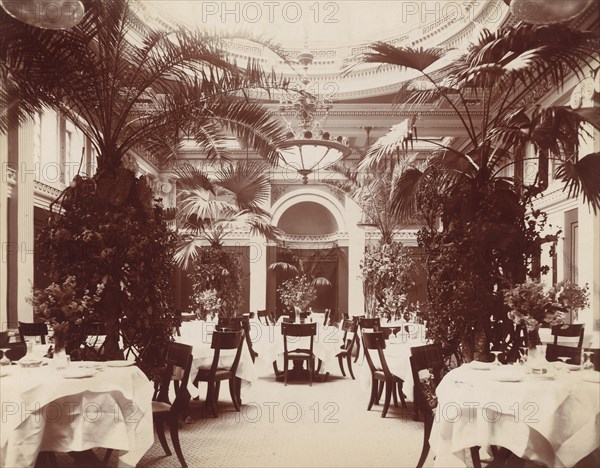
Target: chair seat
{"points": [[221, 374], [299, 355], [160, 407]]}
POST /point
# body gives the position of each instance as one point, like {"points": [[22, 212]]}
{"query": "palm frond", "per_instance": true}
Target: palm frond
{"points": [[248, 181], [191, 178], [406, 57], [404, 195], [187, 250], [284, 267], [583, 177]]}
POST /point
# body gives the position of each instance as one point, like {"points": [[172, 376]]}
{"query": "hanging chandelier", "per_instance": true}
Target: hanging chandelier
{"points": [[309, 148], [547, 11], [46, 14]]}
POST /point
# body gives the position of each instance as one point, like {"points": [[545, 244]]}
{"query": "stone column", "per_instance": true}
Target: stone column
{"points": [[4, 191], [258, 273], [26, 172], [356, 249]]}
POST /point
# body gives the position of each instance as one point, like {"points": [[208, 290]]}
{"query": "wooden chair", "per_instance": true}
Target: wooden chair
{"points": [[372, 323], [317, 314], [230, 323], [3, 338], [177, 371], [33, 329], [266, 316], [569, 331], [429, 357], [554, 351], [380, 372], [222, 340], [177, 321], [15, 350], [298, 354], [349, 326], [93, 331]]}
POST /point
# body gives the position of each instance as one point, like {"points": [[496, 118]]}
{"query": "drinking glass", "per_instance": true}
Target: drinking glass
{"points": [[587, 363], [496, 361], [4, 361], [522, 356]]}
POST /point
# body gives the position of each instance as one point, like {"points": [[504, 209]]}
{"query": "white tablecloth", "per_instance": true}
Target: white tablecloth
{"points": [[555, 422], [268, 342], [42, 411], [198, 334]]}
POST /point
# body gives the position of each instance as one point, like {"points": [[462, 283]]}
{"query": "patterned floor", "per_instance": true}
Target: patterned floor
{"points": [[295, 426]]}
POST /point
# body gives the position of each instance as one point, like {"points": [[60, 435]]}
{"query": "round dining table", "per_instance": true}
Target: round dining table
{"points": [[85, 406], [552, 418]]}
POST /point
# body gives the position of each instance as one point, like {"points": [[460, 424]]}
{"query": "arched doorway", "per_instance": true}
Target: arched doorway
{"points": [[311, 230]]}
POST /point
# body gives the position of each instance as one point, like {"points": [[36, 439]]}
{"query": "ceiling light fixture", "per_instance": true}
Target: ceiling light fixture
{"points": [[308, 147], [46, 14]]}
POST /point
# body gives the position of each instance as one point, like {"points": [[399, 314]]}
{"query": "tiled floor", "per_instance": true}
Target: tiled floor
{"points": [[298, 426]]}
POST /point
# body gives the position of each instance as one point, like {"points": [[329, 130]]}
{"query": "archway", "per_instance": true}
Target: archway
{"points": [[312, 223]]}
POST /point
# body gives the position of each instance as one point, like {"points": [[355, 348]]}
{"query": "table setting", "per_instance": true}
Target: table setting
{"points": [[83, 405], [547, 412]]}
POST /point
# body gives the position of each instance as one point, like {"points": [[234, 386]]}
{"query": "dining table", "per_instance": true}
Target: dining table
{"points": [[551, 417], [198, 334], [268, 343], [86, 405]]}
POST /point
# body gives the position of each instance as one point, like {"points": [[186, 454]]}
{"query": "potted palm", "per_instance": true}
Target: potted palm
{"points": [[131, 88], [487, 233]]}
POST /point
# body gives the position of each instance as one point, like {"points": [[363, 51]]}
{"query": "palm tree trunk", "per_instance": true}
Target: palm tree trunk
{"points": [[111, 305]]}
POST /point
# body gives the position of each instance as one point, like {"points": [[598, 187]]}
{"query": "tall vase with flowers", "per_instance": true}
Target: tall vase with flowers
{"points": [[530, 305], [210, 302], [66, 307]]}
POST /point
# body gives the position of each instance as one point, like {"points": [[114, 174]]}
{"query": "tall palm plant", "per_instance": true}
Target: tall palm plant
{"points": [[487, 87], [486, 242], [210, 209], [128, 87], [372, 190]]}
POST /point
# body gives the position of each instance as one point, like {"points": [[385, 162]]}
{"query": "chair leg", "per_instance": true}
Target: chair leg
{"points": [[401, 394], [238, 388], [174, 429], [475, 457], [373, 394], [159, 423], [319, 364], [311, 369], [341, 363], [233, 393], [349, 361], [380, 392], [389, 386], [395, 398], [107, 456], [211, 398], [426, 434], [285, 370], [357, 350]]}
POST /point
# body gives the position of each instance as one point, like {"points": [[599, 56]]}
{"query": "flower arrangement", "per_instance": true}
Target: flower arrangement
{"points": [[298, 292], [386, 269], [392, 304], [531, 305], [219, 270], [65, 306], [210, 301], [572, 297]]}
